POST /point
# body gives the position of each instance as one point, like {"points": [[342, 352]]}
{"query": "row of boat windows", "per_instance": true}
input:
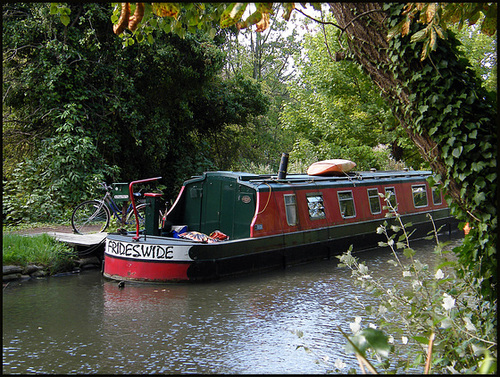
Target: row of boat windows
{"points": [[346, 202]]}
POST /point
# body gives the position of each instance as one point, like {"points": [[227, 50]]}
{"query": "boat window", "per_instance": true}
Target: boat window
{"points": [[390, 192], [346, 204], [195, 192], [291, 209], [316, 207], [374, 200], [436, 196], [419, 196]]}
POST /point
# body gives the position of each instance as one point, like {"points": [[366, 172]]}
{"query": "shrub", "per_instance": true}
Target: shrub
{"points": [[442, 319]]}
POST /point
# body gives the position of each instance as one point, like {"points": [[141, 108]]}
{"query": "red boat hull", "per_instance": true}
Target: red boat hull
{"points": [[137, 270], [147, 259]]}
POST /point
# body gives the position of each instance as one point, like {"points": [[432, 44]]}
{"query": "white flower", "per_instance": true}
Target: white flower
{"points": [[448, 302], [391, 339], [446, 323], [355, 326], [477, 350], [439, 274], [468, 324], [363, 269], [382, 309], [404, 339], [372, 326], [416, 283], [451, 369], [339, 364], [406, 273]]}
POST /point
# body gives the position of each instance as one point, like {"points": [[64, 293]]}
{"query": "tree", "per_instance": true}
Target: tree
{"points": [[481, 51], [336, 111], [79, 108], [267, 58], [50, 157]]}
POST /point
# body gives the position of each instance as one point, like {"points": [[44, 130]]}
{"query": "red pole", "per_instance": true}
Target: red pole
{"points": [[131, 193]]}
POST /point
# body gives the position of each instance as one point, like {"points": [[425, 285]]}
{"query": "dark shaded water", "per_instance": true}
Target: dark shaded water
{"points": [[85, 324]]}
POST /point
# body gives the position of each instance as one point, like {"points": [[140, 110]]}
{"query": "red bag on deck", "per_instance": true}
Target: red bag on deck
{"points": [[218, 235]]}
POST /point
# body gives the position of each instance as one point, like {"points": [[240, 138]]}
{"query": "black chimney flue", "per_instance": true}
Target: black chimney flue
{"points": [[283, 166]]}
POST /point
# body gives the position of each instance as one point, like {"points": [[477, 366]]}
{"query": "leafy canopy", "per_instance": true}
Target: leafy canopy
{"points": [[181, 18]]}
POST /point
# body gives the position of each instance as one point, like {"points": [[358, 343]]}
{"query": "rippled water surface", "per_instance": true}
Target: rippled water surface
{"points": [[84, 323]]}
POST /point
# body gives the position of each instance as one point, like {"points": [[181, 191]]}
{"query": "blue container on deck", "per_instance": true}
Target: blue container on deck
{"points": [[179, 229]]}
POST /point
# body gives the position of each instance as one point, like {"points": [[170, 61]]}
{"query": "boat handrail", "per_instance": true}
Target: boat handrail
{"points": [[268, 198], [302, 178], [131, 192]]}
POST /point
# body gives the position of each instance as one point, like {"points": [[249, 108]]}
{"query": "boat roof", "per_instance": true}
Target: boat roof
{"points": [[361, 178]]}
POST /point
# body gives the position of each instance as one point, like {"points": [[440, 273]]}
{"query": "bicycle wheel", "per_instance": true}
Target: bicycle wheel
{"points": [[90, 217], [141, 214]]}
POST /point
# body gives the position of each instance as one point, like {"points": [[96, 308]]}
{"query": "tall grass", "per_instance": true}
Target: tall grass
{"points": [[42, 250]]}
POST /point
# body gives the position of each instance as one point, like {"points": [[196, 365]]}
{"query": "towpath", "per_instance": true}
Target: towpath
{"points": [[45, 229]]}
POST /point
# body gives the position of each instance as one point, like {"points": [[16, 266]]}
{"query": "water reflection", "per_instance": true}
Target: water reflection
{"points": [[87, 324]]}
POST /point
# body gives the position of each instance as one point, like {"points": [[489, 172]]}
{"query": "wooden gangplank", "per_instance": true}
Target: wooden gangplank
{"points": [[84, 244], [79, 239]]}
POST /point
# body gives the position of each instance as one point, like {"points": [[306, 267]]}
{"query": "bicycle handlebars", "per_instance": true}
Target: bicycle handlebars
{"points": [[105, 187]]}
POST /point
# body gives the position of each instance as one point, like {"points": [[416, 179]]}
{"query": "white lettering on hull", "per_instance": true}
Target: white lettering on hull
{"points": [[147, 252]]}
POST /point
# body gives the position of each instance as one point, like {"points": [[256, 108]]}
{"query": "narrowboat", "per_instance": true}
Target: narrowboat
{"points": [[226, 223]]}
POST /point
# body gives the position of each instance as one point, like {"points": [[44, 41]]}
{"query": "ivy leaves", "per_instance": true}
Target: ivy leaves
{"points": [[438, 16], [448, 106]]}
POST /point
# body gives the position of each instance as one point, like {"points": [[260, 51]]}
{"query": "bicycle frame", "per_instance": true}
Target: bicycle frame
{"points": [[115, 210]]}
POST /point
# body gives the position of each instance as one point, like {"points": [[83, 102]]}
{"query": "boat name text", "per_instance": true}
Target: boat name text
{"points": [[140, 251]]}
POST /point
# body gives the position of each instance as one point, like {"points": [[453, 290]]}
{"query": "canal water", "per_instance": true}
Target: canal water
{"points": [[277, 322]]}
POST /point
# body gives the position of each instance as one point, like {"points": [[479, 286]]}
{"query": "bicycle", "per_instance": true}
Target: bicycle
{"points": [[93, 216]]}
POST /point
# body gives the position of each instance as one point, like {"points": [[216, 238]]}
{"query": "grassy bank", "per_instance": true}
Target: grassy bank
{"points": [[41, 250]]}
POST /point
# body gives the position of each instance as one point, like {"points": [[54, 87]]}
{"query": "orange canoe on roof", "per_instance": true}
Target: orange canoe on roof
{"points": [[330, 167]]}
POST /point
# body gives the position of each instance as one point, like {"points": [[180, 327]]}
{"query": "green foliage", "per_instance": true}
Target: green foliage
{"points": [[440, 308], [367, 339], [263, 57], [79, 109], [481, 51], [63, 11], [178, 18], [42, 250], [43, 189], [336, 111], [448, 104]]}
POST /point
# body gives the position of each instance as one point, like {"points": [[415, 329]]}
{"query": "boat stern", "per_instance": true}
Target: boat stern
{"points": [[150, 259]]}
